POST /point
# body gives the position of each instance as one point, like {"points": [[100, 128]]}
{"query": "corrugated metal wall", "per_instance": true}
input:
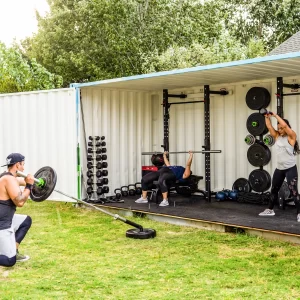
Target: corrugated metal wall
{"points": [[132, 122], [124, 118], [42, 126]]}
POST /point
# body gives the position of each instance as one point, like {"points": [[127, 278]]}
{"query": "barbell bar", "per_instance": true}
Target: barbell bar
{"points": [[178, 152], [45, 181]]}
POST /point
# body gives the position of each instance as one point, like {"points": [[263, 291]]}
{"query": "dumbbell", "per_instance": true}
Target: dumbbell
{"points": [[118, 193], [90, 150], [99, 174], [104, 172], [99, 182], [89, 157], [124, 191], [105, 180], [89, 173], [103, 150], [105, 189], [97, 138], [98, 157], [104, 164], [103, 144], [131, 189], [99, 190], [89, 190], [263, 111], [89, 181], [104, 157], [138, 188], [90, 144]]}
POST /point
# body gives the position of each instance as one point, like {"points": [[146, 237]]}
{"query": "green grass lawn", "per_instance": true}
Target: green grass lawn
{"points": [[83, 254]]}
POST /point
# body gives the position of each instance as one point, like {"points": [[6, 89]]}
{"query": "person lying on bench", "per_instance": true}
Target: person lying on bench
{"points": [[164, 176]]}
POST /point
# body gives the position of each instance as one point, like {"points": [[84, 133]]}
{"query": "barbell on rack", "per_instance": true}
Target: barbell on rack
{"points": [[45, 181], [178, 152]]}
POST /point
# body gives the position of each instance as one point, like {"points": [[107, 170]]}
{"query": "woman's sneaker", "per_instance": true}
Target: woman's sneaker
{"points": [[141, 200], [267, 212], [164, 203], [20, 257]]}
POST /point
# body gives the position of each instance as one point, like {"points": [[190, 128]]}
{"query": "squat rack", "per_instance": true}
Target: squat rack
{"points": [[166, 117], [280, 94]]}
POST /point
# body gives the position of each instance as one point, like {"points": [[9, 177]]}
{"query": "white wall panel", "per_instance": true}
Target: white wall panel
{"points": [[132, 122], [124, 118], [42, 126]]}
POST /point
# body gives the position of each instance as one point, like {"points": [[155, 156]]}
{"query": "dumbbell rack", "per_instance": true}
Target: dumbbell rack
{"points": [[97, 169]]}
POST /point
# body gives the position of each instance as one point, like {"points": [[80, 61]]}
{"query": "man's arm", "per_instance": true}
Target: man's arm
{"points": [[187, 171], [21, 181], [13, 190], [166, 161]]}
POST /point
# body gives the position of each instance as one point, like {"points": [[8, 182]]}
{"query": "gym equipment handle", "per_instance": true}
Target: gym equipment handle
{"points": [[21, 174], [204, 151]]}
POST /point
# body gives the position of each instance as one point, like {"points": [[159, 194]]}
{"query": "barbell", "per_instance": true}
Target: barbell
{"points": [[45, 181], [178, 152]]}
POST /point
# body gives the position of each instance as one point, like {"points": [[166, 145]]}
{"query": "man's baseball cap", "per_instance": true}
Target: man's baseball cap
{"points": [[14, 158]]}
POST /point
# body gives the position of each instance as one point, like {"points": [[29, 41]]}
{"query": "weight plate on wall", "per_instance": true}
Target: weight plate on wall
{"points": [[256, 124], [257, 98], [258, 155], [260, 180], [241, 185]]}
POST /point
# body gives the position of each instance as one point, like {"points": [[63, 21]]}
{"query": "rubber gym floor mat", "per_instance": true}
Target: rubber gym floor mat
{"points": [[225, 212]]}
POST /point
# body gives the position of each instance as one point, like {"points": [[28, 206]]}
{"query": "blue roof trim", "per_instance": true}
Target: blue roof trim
{"points": [[192, 69]]}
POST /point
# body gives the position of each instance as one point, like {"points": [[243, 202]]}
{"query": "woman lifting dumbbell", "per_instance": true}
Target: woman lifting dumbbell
{"points": [[164, 175], [286, 147]]}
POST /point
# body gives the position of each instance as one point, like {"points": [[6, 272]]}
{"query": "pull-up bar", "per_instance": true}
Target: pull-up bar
{"points": [[177, 152]]}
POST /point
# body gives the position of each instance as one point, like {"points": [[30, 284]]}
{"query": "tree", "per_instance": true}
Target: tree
{"points": [[272, 21], [85, 40], [18, 74], [226, 48]]}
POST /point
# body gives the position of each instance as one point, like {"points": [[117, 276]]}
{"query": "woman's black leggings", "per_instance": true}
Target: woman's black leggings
{"points": [[291, 176], [164, 176]]}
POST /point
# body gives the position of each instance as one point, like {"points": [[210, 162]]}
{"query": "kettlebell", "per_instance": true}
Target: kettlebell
{"points": [[220, 196], [233, 195], [124, 191], [118, 193], [131, 189], [138, 188], [226, 193]]}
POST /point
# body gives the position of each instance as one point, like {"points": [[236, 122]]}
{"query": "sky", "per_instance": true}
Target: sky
{"points": [[17, 18]]}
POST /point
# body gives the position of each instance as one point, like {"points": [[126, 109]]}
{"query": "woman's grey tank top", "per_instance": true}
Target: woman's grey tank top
{"points": [[284, 153]]}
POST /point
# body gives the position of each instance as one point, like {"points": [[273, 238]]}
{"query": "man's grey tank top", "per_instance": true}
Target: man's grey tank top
{"points": [[284, 153]]}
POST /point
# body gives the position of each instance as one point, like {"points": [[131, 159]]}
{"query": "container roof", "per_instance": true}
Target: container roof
{"points": [[283, 65]]}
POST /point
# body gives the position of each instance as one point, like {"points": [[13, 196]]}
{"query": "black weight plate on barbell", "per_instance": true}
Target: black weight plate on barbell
{"points": [[260, 127], [241, 185], [39, 194], [284, 191], [258, 155], [260, 180], [257, 98], [135, 233]]}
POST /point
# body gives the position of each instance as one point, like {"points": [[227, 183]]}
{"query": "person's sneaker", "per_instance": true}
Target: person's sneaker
{"points": [[141, 200], [267, 212], [298, 218], [20, 257], [164, 203]]}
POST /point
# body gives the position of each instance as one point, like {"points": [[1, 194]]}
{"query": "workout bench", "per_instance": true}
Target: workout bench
{"points": [[186, 187]]}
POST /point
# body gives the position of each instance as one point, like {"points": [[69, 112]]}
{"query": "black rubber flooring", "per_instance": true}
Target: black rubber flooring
{"points": [[227, 212]]}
